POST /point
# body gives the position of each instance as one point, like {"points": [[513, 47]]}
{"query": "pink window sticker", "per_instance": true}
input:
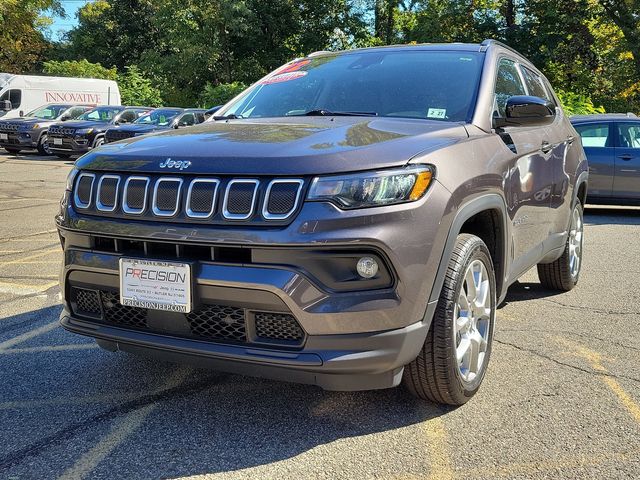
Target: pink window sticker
{"points": [[283, 77]]}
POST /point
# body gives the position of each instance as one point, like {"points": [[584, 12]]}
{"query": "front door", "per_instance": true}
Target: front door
{"points": [[626, 182], [597, 140]]}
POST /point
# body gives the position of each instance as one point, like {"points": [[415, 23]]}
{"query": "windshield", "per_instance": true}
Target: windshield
{"points": [[48, 112], [158, 117], [435, 85], [101, 114], [4, 79]]}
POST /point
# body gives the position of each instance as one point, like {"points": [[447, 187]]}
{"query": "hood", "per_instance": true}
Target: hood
{"points": [[301, 146], [77, 124]]}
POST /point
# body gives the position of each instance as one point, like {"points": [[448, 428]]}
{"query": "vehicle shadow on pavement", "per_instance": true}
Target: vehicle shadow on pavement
{"points": [[611, 216], [206, 422], [521, 291]]}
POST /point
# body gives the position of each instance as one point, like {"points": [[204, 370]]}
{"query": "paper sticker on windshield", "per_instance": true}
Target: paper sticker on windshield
{"points": [[283, 77], [437, 113]]}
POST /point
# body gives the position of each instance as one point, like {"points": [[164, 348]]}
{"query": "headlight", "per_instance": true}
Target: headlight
{"points": [[372, 189], [70, 178], [84, 131]]}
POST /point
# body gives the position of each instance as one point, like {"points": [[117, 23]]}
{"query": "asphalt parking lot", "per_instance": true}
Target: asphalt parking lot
{"points": [[561, 399]]}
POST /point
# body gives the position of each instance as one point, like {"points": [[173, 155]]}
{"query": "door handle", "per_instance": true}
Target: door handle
{"points": [[625, 157], [546, 147]]}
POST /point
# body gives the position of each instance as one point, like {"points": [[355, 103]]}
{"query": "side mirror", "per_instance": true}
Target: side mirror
{"points": [[64, 118], [523, 110], [6, 106]]}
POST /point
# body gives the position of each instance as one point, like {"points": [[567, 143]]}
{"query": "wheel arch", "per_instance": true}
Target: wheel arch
{"points": [[486, 217], [581, 188]]}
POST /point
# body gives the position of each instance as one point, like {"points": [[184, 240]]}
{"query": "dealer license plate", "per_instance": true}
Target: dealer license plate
{"points": [[4, 136], [57, 141], [155, 284]]}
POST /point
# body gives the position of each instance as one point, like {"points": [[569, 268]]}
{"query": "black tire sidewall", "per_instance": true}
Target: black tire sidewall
{"points": [[474, 250]]}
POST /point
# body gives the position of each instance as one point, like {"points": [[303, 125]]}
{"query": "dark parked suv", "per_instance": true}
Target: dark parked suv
{"points": [[351, 221], [30, 131], [156, 121], [78, 137], [612, 145]]}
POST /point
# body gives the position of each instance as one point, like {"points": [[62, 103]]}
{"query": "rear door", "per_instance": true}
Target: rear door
{"points": [[626, 182], [598, 143]]}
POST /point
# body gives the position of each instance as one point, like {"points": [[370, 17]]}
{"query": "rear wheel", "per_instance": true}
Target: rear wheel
{"points": [[454, 358], [12, 150], [563, 274], [43, 145]]}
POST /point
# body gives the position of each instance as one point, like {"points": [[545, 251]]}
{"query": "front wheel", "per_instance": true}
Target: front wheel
{"points": [[99, 142], [43, 145], [563, 274], [454, 358]]}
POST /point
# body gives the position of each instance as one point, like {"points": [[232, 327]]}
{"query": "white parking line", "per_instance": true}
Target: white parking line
{"points": [[28, 335]]}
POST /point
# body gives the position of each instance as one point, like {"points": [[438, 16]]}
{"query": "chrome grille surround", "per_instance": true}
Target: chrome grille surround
{"points": [[198, 181], [76, 199], [99, 205], [125, 205], [154, 204], [267, 197], [225, 203], [216, 200]]}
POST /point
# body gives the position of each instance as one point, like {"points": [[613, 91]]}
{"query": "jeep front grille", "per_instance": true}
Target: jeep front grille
{"points": [[8, 127], [189, 198], [60, 131], [218, 323]]}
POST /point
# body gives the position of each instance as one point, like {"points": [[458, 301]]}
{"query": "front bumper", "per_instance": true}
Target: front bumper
{"points": [[20, 140], [69, 145], [333, 362]]}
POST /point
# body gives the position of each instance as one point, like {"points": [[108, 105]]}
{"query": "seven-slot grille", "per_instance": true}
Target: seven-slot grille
{"points": [[58, 130], [188, 198], [8, 127]]}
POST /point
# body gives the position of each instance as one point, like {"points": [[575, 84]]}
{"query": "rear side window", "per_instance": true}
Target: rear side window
{"points": [[128, 116], [594, 134], [199, 117], [534, 84], [14, 95], [628, 135], [187, 120], [508, 84]]}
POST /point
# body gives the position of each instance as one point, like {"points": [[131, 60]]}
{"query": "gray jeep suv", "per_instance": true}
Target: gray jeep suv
{"points": [[352, 220]]}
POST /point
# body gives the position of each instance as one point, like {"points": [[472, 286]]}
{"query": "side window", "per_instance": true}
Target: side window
{"points": [[75, 112], [628, 135], [508, 84], [534, 84], [199, 117], [127, 116], [15, 96], [187, 120], [594, 134]]}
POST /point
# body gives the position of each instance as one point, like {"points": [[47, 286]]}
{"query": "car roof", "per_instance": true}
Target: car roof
{"points": [[603, 117]]}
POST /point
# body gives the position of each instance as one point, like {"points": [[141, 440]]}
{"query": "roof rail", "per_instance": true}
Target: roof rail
{"points": [[492, 41]]}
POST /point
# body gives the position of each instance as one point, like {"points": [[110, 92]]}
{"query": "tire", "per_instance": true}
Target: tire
{"points": [[43, 145], [436, 374], [13, 151], [563, 274], [63, 155], [99, 142]]}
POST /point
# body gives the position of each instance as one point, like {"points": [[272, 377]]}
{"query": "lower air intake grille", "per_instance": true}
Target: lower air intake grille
{"points": [[115, 312], [215, 321], [278, 326], [209, 322]]}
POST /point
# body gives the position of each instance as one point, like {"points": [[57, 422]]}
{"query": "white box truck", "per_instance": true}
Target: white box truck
{"points": [[22, 93]]}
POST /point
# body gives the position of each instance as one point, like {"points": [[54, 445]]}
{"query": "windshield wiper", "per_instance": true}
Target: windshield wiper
{"points": [[328, 113]]}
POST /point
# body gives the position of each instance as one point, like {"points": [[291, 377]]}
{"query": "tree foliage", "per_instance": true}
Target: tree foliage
{"points": [[187, 48], [220, 94]]}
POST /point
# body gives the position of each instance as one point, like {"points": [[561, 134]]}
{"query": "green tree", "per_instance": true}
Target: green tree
{"points": [[81, 68], [220, 94], [137, 90], [22, 44]]}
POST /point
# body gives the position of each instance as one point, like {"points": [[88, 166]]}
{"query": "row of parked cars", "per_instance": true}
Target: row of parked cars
{"points": [[69, 130]]}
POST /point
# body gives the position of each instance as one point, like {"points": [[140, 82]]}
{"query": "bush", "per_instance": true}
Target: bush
{"points": [[220, 94], [79, 69], [138, 90], [577, 104]]}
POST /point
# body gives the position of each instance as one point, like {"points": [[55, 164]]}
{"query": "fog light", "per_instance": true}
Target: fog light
{"points": [[367, 267]]}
